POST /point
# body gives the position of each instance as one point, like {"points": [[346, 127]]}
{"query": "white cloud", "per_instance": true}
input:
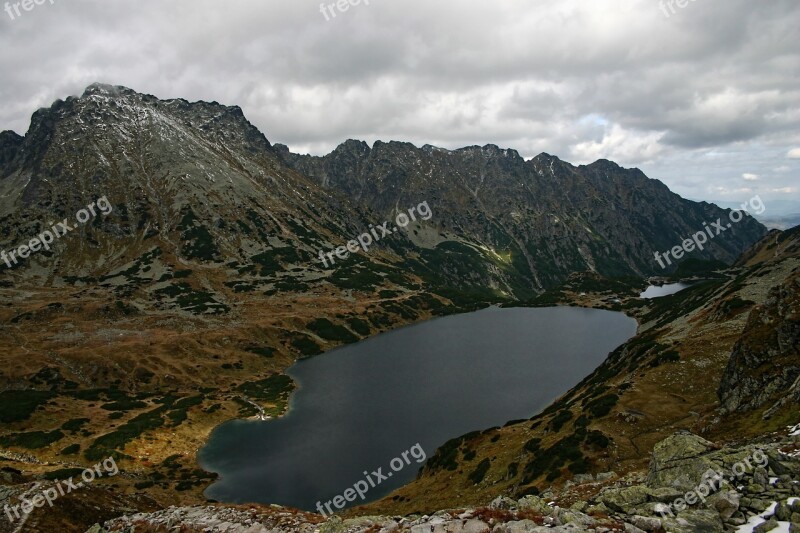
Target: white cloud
{"points": [[618, 144], [610, 79], [750, 177]]}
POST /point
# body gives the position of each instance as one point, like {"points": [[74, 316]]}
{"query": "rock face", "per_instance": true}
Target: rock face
{"points": [[680, 467], [679, 462], [204, 181], [557, 216], [764, 369]]}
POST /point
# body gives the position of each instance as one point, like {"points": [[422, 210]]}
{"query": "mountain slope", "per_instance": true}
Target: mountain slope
{"points": [[181, 306], [719, 359], [551, 217]]}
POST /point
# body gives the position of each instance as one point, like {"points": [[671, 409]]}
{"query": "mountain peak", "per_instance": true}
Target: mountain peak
{"points": [[105, 89]]}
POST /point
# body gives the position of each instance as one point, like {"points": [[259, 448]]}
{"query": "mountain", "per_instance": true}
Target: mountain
{"points": [[550, 217], [720, 359], [185, 271], [199, 181]]}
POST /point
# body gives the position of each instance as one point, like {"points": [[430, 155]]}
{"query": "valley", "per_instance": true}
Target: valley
{"points": [[185, 306]]}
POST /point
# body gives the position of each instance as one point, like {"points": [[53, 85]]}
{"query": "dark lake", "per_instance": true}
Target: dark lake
{"points": [[656, 291], [360, 406]]}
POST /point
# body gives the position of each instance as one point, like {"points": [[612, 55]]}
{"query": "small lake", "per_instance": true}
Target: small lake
{"points": [[360, 406], [654, 291]]}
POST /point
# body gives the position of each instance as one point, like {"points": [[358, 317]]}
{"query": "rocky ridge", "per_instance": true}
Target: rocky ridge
{"points": [[753, 478]]}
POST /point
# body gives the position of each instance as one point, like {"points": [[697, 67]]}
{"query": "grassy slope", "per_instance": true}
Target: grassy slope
{"points": [[665, 379]]}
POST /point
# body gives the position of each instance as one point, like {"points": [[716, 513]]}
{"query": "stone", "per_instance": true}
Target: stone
{"points": [[624, 499], [579, 506], [567, 516], [534, 503], [630, 528], [664, 494], [760, 476], [645, 523], [599, 509], [769, 525], [680, 461], [695, 521], [783, 512], [521, 526], [725, 502], [503, 502]]}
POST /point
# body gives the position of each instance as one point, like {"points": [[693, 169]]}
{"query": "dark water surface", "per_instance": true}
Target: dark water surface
{"points": [[655, 291], [360, 406]]}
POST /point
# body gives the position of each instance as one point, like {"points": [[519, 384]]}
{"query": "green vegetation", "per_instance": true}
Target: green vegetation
{"points": [[697, 267], [108, 444], [560, 419], [480, 472], [197, 242], [446, 457], [329, 331], [359, 326], [191, 300], [305, 345], [263, 351], [549, 461], [128, 404], [600, 407], [735, 305], [75, 424], [64, 473], [72, 449], [670, 356], [19, 405], [33, 440], [274, 390]]}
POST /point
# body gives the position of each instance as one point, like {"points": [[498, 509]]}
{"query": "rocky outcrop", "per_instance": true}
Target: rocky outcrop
{"points": [[764, 368], [553, 216], [200, 174], [692, 486]]}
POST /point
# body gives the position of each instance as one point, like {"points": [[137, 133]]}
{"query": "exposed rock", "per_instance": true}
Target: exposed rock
{"points": [[624, 499], [678, 462]]}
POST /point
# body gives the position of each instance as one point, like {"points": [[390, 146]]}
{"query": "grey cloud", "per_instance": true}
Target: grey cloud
{"points": [[607, 78]]}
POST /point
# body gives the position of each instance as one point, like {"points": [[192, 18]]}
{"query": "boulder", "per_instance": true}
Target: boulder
{"points": [[680, 462], [725, 502], [769, 525], [645, 523], [624, 499]]}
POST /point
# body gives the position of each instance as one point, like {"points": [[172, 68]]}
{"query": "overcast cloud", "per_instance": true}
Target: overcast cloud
{"points": [[706, 100]]}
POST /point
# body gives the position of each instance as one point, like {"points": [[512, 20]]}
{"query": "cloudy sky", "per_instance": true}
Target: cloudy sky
{"points": [[705, 98]]}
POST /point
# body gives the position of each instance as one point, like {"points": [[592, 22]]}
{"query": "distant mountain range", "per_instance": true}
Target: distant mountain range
{"points": [[198, 182]]}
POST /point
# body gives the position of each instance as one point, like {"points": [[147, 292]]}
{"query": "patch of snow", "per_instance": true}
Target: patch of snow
{"points": [[783, 527], [758, 520]]}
